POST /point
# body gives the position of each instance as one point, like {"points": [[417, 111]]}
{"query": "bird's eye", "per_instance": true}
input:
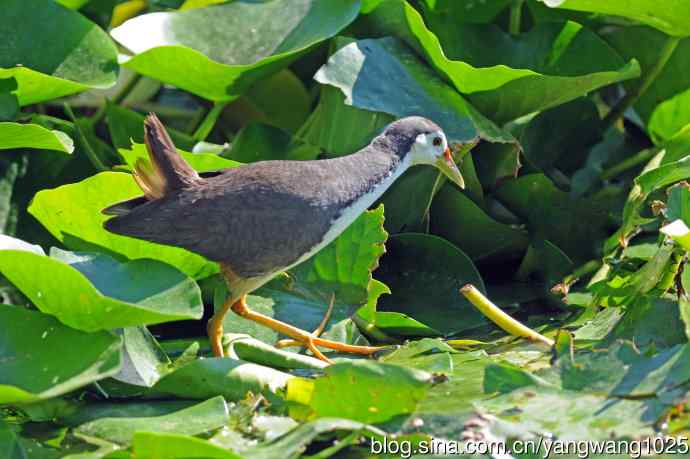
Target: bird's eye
{"points": [[436, 141]]}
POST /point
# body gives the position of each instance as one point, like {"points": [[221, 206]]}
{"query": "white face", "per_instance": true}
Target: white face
{"points": [[427, 148]]}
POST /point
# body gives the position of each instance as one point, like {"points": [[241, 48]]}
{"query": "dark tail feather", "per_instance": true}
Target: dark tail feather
{"points": [[168, 171], [124, 207]]}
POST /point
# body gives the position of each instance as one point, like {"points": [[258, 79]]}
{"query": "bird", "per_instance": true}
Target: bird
{"points": [[263, 218]]}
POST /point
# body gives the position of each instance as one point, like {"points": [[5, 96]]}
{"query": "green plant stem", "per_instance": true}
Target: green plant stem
{"points": [[116, 99], [500, 318], [631, 97], [90, 153], [585, 269], [515, 17], [209, 121], [628, 163]]}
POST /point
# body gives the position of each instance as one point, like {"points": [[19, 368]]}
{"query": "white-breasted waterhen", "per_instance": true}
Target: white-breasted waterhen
{"points": [[263, 218]]}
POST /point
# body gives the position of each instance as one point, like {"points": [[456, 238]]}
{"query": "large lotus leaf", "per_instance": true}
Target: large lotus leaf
{"points": [[361, 390], [669, 17], [457, 218], [43, 358], [189, 49], [371, 72], [203, 417], [508, 76], [233, 379], [342, 268], [71, 55], [15, 135], [72, 213], [644, 44], [94, 292], [425, 273]]}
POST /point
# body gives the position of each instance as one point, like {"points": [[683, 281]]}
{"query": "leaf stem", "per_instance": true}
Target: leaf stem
{"points": [[500, 318], [515, 17], [628, 163], [116, 99], [631, 97], [90, 153], [209, 121]]}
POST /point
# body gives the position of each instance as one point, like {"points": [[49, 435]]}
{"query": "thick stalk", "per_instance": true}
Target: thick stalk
{"points": [[500, 318], [209, 121], [631, 97], [515, 17]]}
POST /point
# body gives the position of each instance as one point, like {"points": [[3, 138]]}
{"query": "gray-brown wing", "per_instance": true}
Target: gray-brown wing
{"points": [[256, 226]]}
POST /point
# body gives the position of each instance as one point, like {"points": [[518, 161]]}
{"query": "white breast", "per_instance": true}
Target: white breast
{"points": [[350, 213]]}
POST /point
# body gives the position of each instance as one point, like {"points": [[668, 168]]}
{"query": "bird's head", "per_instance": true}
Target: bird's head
{"points": [[425, 143]]}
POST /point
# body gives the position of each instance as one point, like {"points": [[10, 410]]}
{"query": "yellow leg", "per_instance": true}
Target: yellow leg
{"points": [[215, 330]]}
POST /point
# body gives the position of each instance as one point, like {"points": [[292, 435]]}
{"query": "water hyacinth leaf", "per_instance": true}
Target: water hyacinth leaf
{"points": [[503, 75], [341, 269], [197, 419], [244, 347], [362, 391], [44, 359], [425, 273], [127, 127], [667, 17], [50, 62], [176, 446], [188, 49], [16, 135], [232, 379], [370, 72], [95, 292], [644, 44], [72, 213], [459, 220], [669, 117]]}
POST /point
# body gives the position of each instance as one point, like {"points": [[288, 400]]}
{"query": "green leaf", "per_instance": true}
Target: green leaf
{"points": [[203, 417], [127, 127], [503, 75], [175, 446], [258, 104], [371, 72], [72, 213], [361, 390], [43, 358], [669, 17], [9, 104], [504, 378], [145, 361], [644, 44], [94, 292], [459, 220], [425, 274], [556, 216], [678, 203], [230, 378], [342, 268], [432, 355], [260, 142], [15, 135], [669, 117], [72, 55], [188, 49]]}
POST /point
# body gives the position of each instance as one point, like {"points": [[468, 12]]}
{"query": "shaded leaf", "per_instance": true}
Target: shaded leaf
{"points": [[95, 292], [197, 419], [188, 49], [50, 62], [425, 274], [503, 75], [43, 358]]}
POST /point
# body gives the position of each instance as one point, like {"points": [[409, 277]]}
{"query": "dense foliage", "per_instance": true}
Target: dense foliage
{"points": [[574, 220]]}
